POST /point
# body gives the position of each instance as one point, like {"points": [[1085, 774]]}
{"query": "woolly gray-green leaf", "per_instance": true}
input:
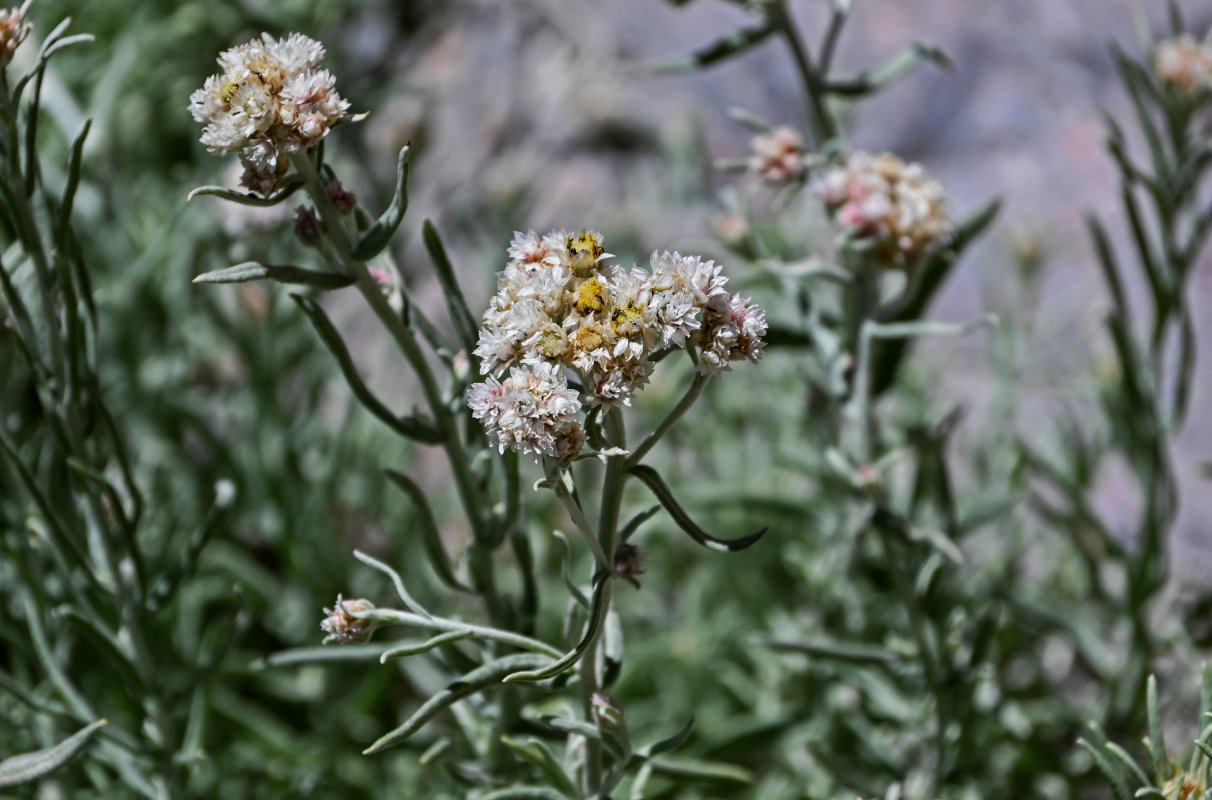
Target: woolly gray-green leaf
{"points": [[256, 271], [376, 238], [478, 679], [657, 485], [27, 767]]}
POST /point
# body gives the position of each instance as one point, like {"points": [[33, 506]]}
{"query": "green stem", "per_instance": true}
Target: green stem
{"points": [[692, 394], [394, 617], [823, 125], [404, 338]]}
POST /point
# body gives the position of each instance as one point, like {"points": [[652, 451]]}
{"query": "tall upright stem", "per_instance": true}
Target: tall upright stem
{"points": [[404, 338]]}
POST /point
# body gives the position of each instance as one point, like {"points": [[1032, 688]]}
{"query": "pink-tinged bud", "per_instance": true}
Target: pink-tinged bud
{"points": [[778, 156], [343, 627], [307, 226], [608, 712]]}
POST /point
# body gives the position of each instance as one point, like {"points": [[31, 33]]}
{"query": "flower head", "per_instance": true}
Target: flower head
{"points": [[1184, 64], [342, 626], [531, 411], [883, 199], [778, 156], [560, 308], [269, 99]]}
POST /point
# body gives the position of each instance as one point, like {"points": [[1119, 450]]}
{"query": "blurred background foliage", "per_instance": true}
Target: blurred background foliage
{"points": [[794, 657]]}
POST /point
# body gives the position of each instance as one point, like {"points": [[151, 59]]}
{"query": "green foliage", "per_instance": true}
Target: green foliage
{"points": [[867, 602]]}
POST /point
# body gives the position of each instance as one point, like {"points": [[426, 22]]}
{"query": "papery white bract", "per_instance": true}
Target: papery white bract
{"points": [[531, 411]]}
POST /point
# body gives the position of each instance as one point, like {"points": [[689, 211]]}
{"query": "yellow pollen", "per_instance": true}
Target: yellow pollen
{"points": [[583, 251], [551, 344], [627, 319], [588, 339], [229, 91], [590, 297]]}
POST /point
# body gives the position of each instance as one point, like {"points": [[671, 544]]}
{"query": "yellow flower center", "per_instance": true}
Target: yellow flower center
{"points": [[627, 320], [590, 297], [583, 252]]}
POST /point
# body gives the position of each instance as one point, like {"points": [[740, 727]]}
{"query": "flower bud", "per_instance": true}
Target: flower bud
{"points": [[607, 710], [345, 201], [344, 628], [307, 227], [629, 561]]}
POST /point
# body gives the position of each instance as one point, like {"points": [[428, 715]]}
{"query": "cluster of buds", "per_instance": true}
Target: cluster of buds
{"points": [[342, 626], [778, 156], [882, 199], [270, 99], [12, 33], [560, 307], [1184, 64]]}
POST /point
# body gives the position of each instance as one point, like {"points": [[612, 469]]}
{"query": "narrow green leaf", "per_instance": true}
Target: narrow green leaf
{"points": [[657, 486], [1119, 785], [431, 537], [376, 238], [321, 655], [892, 71], [256, 271], [566, 571], [396, 581], [465, 324], [844, 652], [290, 185], [1156, 743], [1129, 763], [694, 769], [73, 183], [597, 614], [537, 753], [723, 48], [481, 678], [27, 767], [670, 743], [415, 427], [405, 650]]}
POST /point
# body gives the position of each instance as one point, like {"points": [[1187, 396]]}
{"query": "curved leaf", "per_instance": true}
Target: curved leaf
{"points": [[653, 481], [26, 767], [474, 681], [597, 614], [376, 238], [256, 271]]}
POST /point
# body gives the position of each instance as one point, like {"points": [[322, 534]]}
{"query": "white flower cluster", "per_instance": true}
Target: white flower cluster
{"points": [[880, 197], [12, 32], [1184, 63], [778, 156], [559, 306], [270, 99]]}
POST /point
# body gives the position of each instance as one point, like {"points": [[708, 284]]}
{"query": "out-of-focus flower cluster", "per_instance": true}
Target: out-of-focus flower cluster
{"points": [[778, 156], [270, 99], [1184, 64], [560, 307], [881, 198], [12, 32]]}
